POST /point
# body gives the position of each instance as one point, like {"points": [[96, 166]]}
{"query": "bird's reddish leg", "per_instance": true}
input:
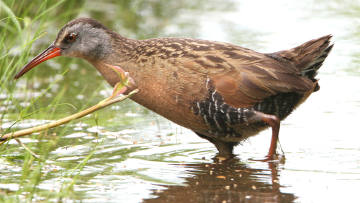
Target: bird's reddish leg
{"points": [[274, 123]]}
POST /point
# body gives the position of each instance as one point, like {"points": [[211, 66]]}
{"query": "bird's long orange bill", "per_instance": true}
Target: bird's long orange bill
{"points": [[51, 52]]}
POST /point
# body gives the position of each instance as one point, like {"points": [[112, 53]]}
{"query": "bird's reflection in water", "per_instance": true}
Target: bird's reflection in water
{"points": [[229, 181]]}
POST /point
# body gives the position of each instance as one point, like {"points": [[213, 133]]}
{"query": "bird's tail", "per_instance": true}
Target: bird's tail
{"points": [[309, 56]]}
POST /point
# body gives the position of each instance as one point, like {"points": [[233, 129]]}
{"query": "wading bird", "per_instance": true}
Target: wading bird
{"points": [[223, 92]]}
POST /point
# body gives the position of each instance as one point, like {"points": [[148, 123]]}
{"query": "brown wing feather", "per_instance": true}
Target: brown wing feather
{"points": [[242, 76], [248, 84]]}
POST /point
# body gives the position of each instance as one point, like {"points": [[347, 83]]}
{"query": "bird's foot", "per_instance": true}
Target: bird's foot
{"points": [[223, 158], [280, 158]]}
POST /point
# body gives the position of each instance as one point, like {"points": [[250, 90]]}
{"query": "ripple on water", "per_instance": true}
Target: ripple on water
{"points": [[149, 159]]}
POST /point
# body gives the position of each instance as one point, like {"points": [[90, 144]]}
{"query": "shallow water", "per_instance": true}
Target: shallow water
{"points": [[135, 155]]}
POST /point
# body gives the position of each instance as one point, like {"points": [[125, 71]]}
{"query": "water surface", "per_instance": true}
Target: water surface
{"points": [[126, 153]]}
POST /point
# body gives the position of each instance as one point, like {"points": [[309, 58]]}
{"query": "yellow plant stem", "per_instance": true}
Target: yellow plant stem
{"points": [[67, 119]]}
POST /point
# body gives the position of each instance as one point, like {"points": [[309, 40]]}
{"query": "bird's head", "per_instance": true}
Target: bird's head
{"points": [[83, 37]]}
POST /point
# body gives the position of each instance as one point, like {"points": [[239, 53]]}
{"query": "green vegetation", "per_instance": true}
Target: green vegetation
{"points": [[23, 27]]}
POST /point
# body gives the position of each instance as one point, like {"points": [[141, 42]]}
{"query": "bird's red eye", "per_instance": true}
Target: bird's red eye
{"points": [[71, 37]]}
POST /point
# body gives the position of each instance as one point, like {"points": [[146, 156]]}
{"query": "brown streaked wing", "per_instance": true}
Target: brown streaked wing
{"points": [[250, 83], [242, 76]]}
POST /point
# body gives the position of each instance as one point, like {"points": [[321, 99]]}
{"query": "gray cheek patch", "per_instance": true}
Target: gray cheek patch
{"points": [[93, 43]]}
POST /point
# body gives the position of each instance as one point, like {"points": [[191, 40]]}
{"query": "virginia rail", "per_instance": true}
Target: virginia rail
{"points": [[223, 92]]}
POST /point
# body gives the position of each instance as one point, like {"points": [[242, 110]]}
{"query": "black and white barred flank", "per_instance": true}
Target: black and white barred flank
{"points": [[221, 117]]}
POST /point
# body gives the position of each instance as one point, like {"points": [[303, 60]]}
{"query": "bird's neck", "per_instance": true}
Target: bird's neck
{"points": [[122, 51]]}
